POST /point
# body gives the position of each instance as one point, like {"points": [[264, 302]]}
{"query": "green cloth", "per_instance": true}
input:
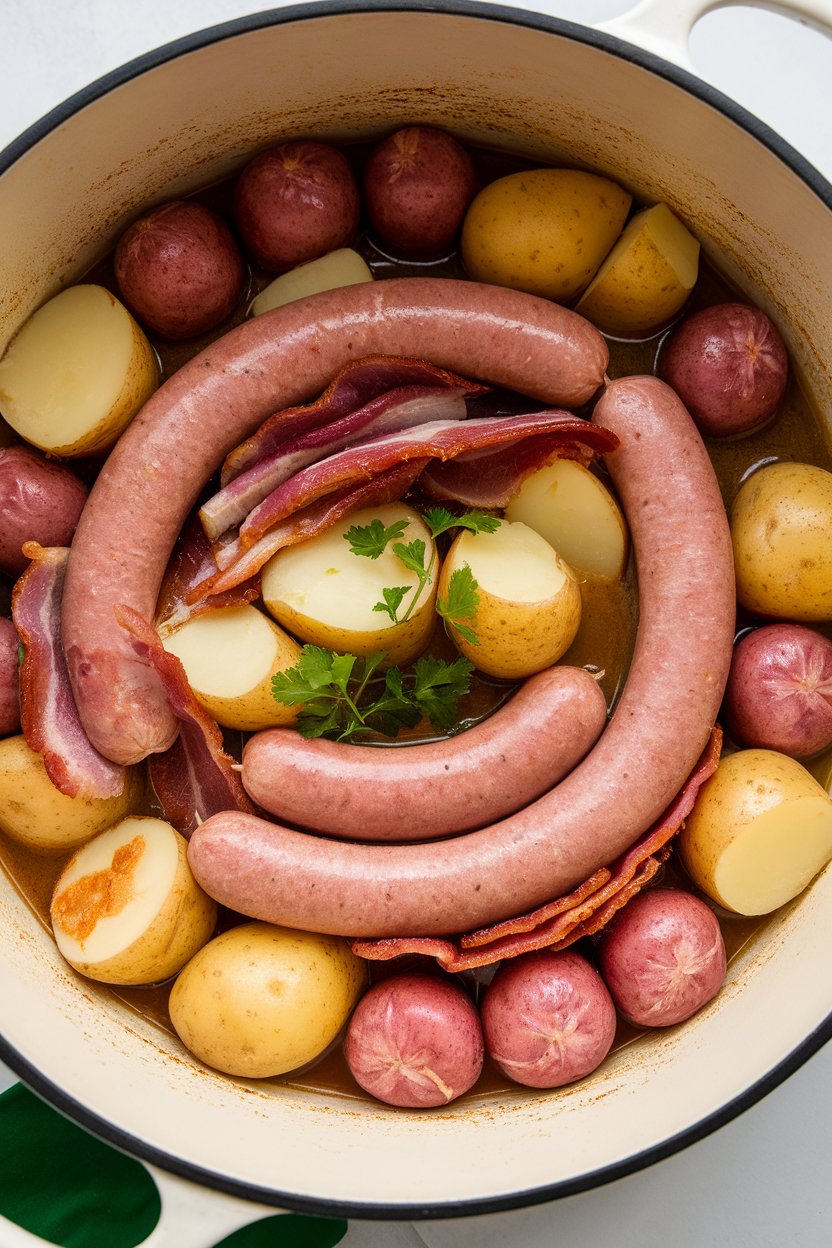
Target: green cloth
{"points": [[58, 1182]]}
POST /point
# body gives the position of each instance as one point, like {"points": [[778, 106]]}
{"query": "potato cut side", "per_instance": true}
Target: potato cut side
{"points": [[568, 506], [339, 268], [127, 909], [324, 594], [230, 656], [77, 372], [761, 829], [529, 601], [647, 276], [35, 813]]}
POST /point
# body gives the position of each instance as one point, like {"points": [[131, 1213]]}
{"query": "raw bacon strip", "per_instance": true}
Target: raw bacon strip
{"points": [[47, 707], [397, 409], [491, 478], [199, 779], [586, 913], [443, 439], [191, 563], [351, 388], [237, 565]]}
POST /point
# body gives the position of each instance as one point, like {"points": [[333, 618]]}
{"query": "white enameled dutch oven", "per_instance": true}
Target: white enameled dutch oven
{"points": [[620, 100]]}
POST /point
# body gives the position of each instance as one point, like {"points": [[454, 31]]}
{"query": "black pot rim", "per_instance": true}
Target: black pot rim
{"points": [[320, 1207]]}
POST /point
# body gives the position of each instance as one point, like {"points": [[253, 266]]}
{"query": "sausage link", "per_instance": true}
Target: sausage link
{"points": [[181, 436], [421, 792], [661, 724]]}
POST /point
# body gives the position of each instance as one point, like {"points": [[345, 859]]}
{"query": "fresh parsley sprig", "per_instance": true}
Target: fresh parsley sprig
{"points": [[439, 519], [343, 696], [461, 603]]}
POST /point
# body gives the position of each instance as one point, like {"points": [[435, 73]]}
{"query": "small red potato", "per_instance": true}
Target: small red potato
{"points": [[417, 186], [9, 679], [547, 1018], [729, 366], [295, 202], [40, 501], [779, 692], [663, 957], [415, 1041], [179, 270]]}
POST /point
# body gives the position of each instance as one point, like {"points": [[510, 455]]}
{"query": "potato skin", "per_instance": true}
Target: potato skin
{"points": [[179, 270], [781, 529], [545, 231], [548, 1018], [415, 1041], [417, 185], [729, 366], [295, 202], [663, 957], [779, 692], [261, 1000], [40, 501], [9, 679]]}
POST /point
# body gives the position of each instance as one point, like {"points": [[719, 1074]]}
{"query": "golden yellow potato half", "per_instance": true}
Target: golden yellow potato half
{"points": [[77, 372], [545, 231], [781, 528], [35, 813], [127, 909], [230, 656], [343, 267], [324, 594], [647, 276], [760, 830], [575, 512], [529, 601], [261, 1000]]}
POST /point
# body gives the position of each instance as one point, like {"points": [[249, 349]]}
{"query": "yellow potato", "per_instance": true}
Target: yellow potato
{"points": [[781, 528], [76, 373], [127, 909], [35, 813], [323, 593], [529, 601], [545, 231], [261, 1000], [567, 505], [647, 276], [760, 830], [338, 268], [229, 657]]}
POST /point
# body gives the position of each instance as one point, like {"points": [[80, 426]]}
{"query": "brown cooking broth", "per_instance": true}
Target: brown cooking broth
{"points": [[604, 642]]}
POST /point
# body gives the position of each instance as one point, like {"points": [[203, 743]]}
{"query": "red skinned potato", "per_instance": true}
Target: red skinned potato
{"points": [[40, 501], [415, 1041], [779, 692], [548, 1019], [9, 679], [417, 185], [179, 270], [295, 202], [663, 957], [729, 366]]}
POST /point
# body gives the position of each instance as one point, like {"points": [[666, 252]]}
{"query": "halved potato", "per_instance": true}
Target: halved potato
{"points": [[77, 372], [568, 506], [230, 656], [647, 276], [760, 830], [127, 909], [338, 268], [325, 594], [530, 602], [35, 813]]}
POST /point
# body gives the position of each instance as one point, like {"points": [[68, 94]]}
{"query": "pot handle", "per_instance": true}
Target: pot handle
{"points": [[198, 1217], [663, 26]]}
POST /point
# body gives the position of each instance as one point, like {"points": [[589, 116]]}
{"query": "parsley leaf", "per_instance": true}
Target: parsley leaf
{"points": [[461, 603], [372, 539], [439, 519], [393, 599]]}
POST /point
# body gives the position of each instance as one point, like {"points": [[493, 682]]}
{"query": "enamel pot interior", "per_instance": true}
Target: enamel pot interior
{"points": [[498, 77]]}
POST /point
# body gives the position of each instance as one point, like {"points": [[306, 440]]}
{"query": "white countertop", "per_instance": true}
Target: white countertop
{"points": [[763, 1180]]}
